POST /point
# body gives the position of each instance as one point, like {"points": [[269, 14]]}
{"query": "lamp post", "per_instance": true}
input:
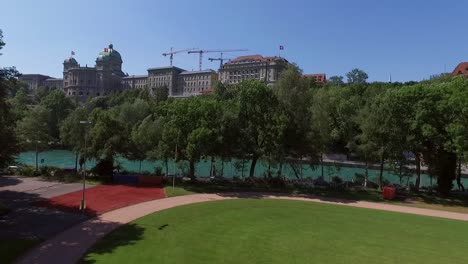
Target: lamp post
{"points": [[83, 201]]}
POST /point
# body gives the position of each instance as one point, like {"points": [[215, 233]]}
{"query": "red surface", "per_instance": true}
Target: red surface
{"points": [[105, 198], [389, 193]]}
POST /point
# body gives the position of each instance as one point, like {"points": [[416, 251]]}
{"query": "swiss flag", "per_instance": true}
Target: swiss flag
{"points": [[281, 47]]}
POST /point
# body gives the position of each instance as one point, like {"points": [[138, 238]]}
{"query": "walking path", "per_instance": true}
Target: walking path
{"points": [[70, 245]]}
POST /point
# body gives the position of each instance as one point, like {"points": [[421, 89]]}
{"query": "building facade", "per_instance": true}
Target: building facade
{"points": [[105, 78], [461, 69], [256, 67], [317, 77], [134, 82], [164, 77], [193, 83]]}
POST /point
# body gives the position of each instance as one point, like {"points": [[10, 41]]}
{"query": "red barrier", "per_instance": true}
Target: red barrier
{"points": [[389, 192]]}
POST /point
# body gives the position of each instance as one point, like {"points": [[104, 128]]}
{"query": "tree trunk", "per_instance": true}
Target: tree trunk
{"points": [[76, 162], [366, 174], [381, 171], [192, 170], [167, 167], [418, 172], [37, 159], [243, 165], [222, 167], [459, 183], [280, 169], [252, 166], [321, 162], [140, 167], [211, 167]]}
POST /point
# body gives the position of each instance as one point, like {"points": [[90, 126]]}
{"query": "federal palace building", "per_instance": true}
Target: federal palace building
{"points": [[107, 77]]}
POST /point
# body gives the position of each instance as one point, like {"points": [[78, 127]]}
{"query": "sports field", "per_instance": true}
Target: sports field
{"points": [[280, 231]]}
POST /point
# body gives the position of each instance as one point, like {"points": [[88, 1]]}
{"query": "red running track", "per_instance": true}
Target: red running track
{"points": [[104, 198]]}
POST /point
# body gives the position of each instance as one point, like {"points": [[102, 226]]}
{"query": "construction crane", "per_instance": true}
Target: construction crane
{"points": [[220, 59], [172, 52], [200, 52]]}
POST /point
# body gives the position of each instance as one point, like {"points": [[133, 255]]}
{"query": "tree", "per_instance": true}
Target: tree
{"points": [[190, 124], [59, 107], [147, 139], [20, 103], [33, 130], [72, 133], [335, 81], [8, 140], [299, 138], [106, 138], [357, 76], [130, 115], [263, 121]]}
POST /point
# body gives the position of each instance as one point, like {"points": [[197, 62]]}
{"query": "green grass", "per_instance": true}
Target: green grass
{"points": [[281, 231], [10, 249], [176, 191]]}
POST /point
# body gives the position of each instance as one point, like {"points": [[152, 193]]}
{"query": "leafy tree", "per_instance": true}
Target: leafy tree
{"points": [[147, 139], [335, 81], [106, 137], [357, 76], [20, 103], [33, 130], [130, 115], [72, 132], [8, 140], [262, 120], [299, 138], [59, 107]]}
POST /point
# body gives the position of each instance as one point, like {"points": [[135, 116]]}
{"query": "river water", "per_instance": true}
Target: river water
{"points": [[66, 159]]}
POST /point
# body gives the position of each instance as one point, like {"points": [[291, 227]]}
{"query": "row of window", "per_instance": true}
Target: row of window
{"points": [[244, 72], [197, 77]]}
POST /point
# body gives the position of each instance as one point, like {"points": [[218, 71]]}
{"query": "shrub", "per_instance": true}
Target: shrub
{"points": [[337, 180], [158, 170], [28, 171]]}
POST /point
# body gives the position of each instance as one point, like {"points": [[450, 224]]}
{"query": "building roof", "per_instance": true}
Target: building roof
{"points": [[70, 60], [197, 72], [462, 68], [320, 77], [54, 79], [254, 58], [135, 76], [166, 67], [109, 54]]}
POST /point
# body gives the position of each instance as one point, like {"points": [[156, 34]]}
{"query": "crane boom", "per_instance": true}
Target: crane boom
{"points": [[172, 52], [200, 52]]}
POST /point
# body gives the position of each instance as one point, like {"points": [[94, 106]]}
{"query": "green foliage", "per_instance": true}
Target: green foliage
{"points": [[33, 128], [357, 76], [59, 107], [8, 139]]}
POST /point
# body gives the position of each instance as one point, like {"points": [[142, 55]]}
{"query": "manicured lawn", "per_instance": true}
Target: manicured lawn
{"points": [[10, 249], [280, 231], [176, 191]]}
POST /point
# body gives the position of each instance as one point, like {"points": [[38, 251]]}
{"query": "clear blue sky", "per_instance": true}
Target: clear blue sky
{"points": [[409, 39]]}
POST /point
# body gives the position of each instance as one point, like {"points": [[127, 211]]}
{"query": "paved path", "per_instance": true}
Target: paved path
{"points": [[70, 245], [27, 220]]}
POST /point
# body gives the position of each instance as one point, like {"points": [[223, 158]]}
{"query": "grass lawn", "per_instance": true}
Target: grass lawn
{"points": [[281, 231], [10, 249], [455, 203], [176, 191]]}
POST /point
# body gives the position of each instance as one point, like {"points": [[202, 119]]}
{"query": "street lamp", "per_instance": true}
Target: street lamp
{"points": [[83, 202]]}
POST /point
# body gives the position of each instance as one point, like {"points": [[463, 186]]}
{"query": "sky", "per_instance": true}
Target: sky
{"points": [[409, 40]]}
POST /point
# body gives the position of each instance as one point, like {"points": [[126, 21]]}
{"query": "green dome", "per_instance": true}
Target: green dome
{"points": [[70, 60], [109, 54]]}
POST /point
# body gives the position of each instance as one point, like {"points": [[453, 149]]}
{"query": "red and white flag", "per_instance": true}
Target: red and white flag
{"points": [[281, 47]]}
